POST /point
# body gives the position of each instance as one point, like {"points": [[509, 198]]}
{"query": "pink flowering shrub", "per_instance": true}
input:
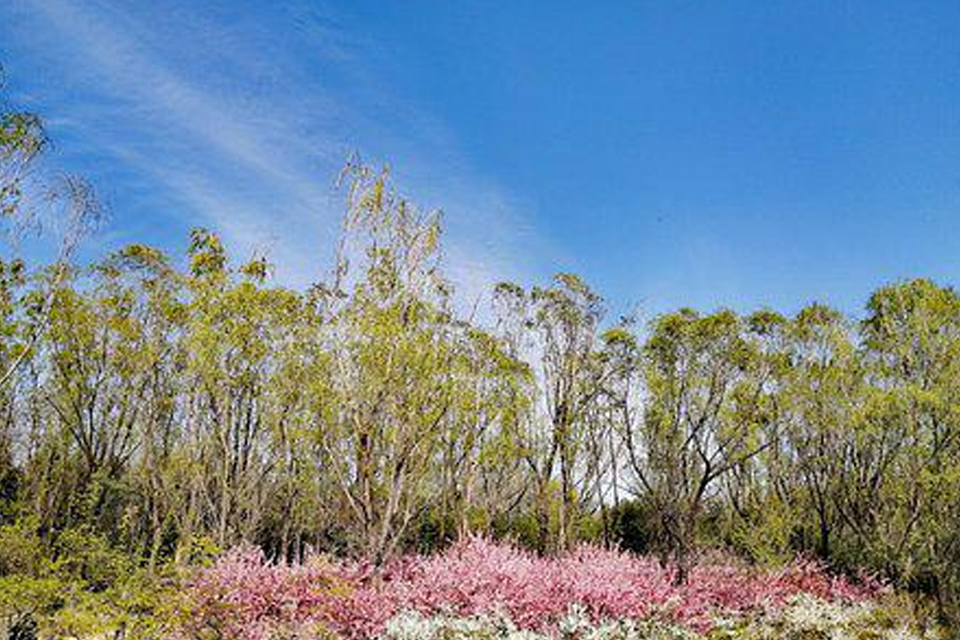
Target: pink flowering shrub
{"points": [[244, 597]]}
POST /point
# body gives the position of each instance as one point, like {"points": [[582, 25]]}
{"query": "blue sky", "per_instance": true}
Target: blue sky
{"points": [[672, 152]]}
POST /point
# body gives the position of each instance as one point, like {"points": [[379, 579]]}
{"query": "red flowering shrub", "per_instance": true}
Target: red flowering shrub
{"points": [[245, 597]]}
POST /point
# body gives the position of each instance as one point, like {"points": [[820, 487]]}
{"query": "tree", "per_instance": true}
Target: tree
{"points": [[907, 450], [22, 139], [559, 326], [703, 419], [67, 205], [409, 381], [822, 390], [235, 330], [480, 471]]}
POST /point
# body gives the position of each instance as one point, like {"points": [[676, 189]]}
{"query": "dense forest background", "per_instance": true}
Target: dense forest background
{"points": [[154, 410]]}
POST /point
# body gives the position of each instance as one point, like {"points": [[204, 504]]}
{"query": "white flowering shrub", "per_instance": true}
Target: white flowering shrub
{"points": [[573, 626], [807, 617], [414, 626], [803, 618]]}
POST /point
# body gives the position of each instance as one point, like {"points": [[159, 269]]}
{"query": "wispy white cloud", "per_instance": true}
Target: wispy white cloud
{"points": [[216, 134], [246, 135]]}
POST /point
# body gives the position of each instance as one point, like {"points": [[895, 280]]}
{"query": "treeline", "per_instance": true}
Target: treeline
{"points": [[161, 407], [155, 407]]}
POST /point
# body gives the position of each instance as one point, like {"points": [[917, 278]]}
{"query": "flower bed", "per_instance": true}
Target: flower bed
{"points": [[497, 589]]}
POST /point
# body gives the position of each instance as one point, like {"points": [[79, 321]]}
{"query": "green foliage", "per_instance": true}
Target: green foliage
{"points": [[630, 522], [78, 585], [154, 415]]}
